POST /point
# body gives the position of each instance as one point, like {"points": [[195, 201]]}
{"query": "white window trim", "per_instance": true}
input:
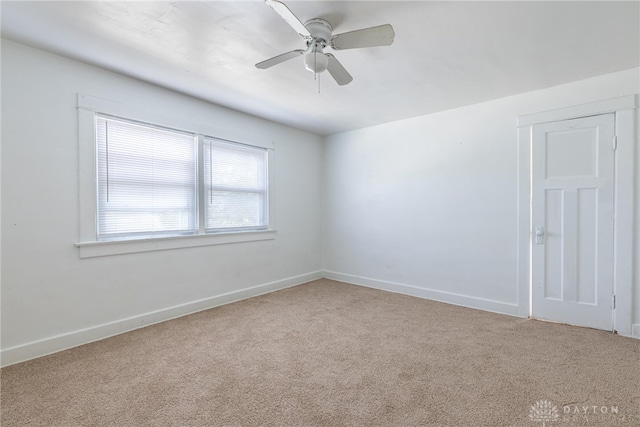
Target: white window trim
{"points": [[117, 247], [87, 243]]}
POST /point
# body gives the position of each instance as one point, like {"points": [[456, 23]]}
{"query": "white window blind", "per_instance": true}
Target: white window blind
{"points": [[235, 184], [147, 180]]}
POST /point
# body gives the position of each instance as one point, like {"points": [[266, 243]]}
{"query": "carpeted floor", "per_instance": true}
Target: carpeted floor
{"points": [[331, 354]]}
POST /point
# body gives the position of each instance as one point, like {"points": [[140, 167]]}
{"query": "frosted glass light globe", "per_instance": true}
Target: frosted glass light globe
{"points": [[315, 61]]}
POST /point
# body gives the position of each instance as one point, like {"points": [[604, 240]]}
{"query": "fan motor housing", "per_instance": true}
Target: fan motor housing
{"points": [[320, 30]]}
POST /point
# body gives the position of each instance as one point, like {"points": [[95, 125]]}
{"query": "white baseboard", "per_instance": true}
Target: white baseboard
{"points": [[635, 330], [441, 296], [32, 350]]}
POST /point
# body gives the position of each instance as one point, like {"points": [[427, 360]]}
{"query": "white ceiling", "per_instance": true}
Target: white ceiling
{"points": [[445, 54]]}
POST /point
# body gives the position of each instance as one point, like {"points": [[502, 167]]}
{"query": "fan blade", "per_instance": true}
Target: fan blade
{"points": [[337, 71], [381, 35], [286, 14], [278, 59]]}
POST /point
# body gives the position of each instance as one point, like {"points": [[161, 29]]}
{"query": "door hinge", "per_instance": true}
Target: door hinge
{"points": [[613, 301], [614, 144]]}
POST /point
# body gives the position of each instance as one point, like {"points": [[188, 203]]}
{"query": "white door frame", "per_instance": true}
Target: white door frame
{"points": [[623, 274]]}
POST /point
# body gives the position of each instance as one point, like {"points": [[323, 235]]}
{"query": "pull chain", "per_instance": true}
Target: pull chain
{"points": [[315, 67]]}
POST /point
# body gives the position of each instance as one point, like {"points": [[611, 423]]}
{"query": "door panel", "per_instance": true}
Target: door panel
{"points": [[579, 145], [572, 207], [553, 227], [587, 237]]}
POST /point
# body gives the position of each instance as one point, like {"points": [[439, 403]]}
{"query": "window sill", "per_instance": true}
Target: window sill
{"points": [[98, 249]]}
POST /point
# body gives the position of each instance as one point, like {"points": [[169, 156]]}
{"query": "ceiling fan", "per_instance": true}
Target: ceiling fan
{"points": [[317, 33]]}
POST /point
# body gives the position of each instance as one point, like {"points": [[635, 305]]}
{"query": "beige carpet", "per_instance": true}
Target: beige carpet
{"points": [[332, 354]]}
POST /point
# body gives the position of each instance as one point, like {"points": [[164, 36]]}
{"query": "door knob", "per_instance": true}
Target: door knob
{"points": [[539, 232]]}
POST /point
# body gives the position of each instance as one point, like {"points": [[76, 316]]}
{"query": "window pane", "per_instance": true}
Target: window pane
{"points": [[235, 210], [146, 180], [235, 178], [238, 168]]}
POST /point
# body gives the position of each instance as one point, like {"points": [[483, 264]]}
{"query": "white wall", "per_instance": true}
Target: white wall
{"points": [[425, 206], [52, 299], [428, 206]]}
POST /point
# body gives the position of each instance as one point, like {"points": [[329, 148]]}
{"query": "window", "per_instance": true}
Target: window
{"points": [[235, 186], [147, 180], [147, 187]]}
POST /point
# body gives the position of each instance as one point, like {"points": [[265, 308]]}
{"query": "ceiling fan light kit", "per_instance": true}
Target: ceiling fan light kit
{"points": [[315, 61], [318, 34], [314, 58]]}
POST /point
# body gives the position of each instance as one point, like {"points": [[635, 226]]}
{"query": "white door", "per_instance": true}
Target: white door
{"points": [[572, 221]]}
